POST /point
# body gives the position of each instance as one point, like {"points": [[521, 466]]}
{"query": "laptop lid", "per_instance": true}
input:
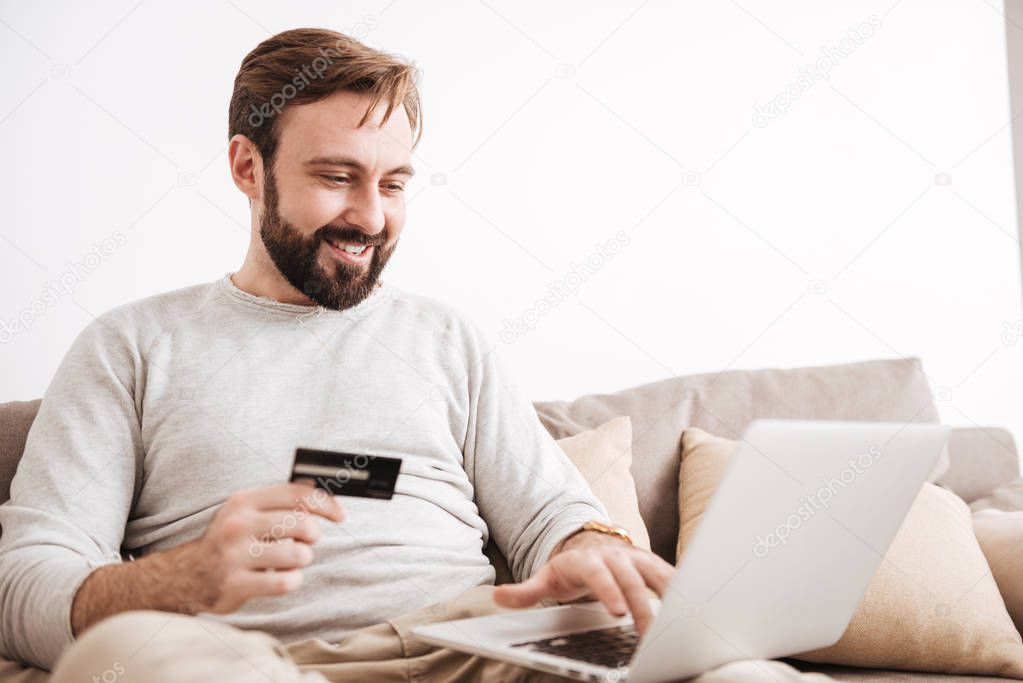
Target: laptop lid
{"points": [[788, 544]]}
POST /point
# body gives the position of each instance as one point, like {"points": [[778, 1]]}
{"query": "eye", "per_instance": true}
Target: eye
{"points": [[336, 179], [395, 187]]}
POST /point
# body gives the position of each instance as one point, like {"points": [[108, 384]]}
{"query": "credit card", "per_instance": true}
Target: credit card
{"points": [[347, 474]]}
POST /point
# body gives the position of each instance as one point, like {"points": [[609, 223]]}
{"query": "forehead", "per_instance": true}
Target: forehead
{"points": [[331, 127]]}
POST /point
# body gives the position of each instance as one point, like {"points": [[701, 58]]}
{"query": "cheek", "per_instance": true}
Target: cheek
{"points": [[308, 208], [395, 221]]}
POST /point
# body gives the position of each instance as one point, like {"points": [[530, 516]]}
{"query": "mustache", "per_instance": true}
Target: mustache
{"points": [[352, 235]]}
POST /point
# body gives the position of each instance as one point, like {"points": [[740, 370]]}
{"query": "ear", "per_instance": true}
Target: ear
{"points": [[246, 167]]}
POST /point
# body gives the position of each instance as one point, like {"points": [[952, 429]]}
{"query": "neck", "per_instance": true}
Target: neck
{"points": [[259, 276]]}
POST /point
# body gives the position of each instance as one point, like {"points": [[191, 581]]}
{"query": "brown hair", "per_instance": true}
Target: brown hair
{"points": [[307, 65]]}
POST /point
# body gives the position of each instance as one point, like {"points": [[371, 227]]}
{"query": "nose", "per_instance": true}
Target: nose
{"points": [[365, 210]]}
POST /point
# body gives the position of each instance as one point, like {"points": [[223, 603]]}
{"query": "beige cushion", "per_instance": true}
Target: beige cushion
{"points": [[704, 460], [932, 605], [1001, 538], [982, 460], [998, 523], [724, 403], [603, 456], [1007, 498]]}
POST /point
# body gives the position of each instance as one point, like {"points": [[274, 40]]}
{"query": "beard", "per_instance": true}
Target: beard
{"points": [[297, 256]]}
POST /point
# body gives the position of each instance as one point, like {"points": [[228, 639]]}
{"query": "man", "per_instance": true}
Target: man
{"points": [[170, 425]]}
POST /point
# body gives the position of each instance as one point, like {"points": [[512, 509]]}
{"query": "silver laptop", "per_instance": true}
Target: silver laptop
{"points": [[778, 565]]}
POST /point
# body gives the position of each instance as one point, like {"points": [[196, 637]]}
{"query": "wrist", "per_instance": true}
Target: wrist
{"points": [[181, 579], [167, 581], [594, 533]]}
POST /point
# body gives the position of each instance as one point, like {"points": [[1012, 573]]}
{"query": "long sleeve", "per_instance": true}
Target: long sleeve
{"points": [[71, 495], [527, 490]]}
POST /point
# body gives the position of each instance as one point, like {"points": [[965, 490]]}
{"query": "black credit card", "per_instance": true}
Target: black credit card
{"points": [[347, 474]]}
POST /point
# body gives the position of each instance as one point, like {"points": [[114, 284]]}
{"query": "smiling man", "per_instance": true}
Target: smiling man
{"points": [[149, 522]]}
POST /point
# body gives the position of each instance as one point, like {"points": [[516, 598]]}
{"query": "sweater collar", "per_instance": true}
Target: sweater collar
{"points": [[380, 293]]}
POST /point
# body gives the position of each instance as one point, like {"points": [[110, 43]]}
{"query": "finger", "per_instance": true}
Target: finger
{"points": [[296, 496], [525, 594], [268, 527], [602, 583], [632, 585], [249, 583], [281, 555], [656, 572]]}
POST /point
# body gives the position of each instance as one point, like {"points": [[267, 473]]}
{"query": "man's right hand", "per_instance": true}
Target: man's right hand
{"points": [[256, 545], [257, 530]]}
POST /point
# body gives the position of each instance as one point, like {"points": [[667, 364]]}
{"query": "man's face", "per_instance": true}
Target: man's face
{"points": [[334, 185]]}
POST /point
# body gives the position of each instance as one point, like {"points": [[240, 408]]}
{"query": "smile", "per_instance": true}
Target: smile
{"points": [[348, 252]]}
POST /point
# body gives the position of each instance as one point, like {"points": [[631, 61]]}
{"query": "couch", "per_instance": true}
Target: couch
{"points": [[980, 458]]}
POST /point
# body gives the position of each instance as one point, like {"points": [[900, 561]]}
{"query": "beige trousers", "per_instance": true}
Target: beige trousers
{"points": [[161, 647], [158, 647]]}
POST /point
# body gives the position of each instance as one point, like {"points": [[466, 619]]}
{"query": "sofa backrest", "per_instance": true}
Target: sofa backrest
{"points": [[723, 404], [15, 419]]}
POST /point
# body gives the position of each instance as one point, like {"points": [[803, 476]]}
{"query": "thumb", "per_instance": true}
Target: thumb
{"points": [[529, 592]]}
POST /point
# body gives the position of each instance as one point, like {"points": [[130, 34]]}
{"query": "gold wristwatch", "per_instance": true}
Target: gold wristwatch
{"points": [[601, 528]]}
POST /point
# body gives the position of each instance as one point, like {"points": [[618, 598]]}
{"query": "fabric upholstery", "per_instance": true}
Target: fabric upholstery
{"points": [[15, 419], [1007, 498], [603, 456], [998, 523], [850, 674], [983, 458], [1000, 535]]}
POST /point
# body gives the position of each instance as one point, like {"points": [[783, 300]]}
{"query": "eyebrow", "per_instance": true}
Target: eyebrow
{"points": [[352, 163]]}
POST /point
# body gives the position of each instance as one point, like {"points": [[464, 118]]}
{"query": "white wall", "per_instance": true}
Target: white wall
{"points": [[819, 237]]}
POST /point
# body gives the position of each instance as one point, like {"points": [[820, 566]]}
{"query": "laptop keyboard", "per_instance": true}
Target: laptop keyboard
{"points": [[610, 647]]}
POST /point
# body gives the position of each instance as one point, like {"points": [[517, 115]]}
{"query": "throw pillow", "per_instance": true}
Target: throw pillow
{"points": [[603, 456], [932, 605]]}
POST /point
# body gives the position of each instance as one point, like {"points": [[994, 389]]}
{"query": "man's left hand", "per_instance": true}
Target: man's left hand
{"points": [[593, 565]]}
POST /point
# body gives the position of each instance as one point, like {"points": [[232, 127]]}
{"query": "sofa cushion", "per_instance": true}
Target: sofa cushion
{"points": [[1008, 497], [15, 419], [998, 523], [932, 605], [724, 403], [982, 459], [603, 456], [1000, 535], [849, 674]]}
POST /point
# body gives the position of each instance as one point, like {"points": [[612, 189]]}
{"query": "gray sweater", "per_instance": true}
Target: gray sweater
{"points": [[165, 406]]}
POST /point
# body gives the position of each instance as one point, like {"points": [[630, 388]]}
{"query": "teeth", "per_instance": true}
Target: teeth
{"points": [[350, 248]]}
